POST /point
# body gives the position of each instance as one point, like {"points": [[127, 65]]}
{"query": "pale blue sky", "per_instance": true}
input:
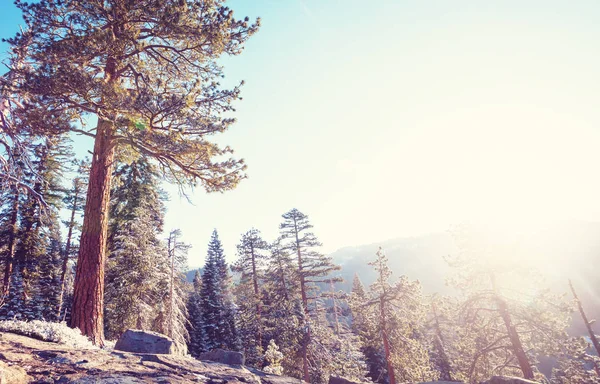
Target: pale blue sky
{"points": [[384, 119]]}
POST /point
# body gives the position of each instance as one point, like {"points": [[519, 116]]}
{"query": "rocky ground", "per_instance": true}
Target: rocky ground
{"points": [[27, 360]]}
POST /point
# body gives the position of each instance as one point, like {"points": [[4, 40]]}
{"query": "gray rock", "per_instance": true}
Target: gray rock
{"points": [[509, 380], [109, 379], [443, 382], [136, 341], [340, 380], [224, 357]]}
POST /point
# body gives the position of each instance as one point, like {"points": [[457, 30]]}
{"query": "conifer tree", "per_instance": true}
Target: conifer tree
{"points": [[38, 237], [148, 70], [312, 266], [283, 314], [74, 201], [500, 333], [138, 271], [389, 324], [176, 299], [250, 264], [197, 337], [218, 312]]}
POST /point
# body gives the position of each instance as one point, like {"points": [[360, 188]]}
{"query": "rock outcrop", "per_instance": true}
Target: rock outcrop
{"points": [[137, 341], [222, 356], [509, 380], [340, 380], [26, 360]]}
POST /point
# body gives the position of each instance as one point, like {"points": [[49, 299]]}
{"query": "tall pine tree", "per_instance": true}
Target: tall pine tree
{"points": [[218, 311], [250, 265], [312, 267], [148, 71], [197, 337]]}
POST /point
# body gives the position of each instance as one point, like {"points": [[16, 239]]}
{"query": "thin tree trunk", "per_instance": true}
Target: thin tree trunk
{"points": [[445, 373], [383, 325], [171, 248], [304, 306], [12, 242], [386, 342], [513, 335], [87, 311], [256, 297], [335, 309], [65, 262], [588, 325]]}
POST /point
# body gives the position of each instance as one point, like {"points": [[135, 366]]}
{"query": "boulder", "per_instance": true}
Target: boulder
{"points": [[443, 382], [509, 380], [224, 357], [136, 341], [340, 380]]}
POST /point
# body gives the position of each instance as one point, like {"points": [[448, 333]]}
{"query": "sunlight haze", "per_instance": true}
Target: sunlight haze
{"points": [[397, 118]]}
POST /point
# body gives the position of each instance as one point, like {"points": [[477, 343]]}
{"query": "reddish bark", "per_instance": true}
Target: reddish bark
{"points": [[87, 311]]}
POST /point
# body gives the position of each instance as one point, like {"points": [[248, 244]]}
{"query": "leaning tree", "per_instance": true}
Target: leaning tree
{"points": [[148, 71]]}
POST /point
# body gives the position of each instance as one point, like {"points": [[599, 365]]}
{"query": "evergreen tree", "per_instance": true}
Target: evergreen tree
{"points": [[38, 239], [388, 326], [218, 310], [197, 337], [312, 267], [148, 71], [176, 299], [48, 301], [283, 317], [250, 265], [138, 271], [74, 201], [499, 332]]}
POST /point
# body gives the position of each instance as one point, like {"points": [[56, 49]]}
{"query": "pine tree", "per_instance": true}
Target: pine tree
{"points": [[312, 266], [49, 294], [218, 310], [148, 71], [138, 271], [197, 337], [388, 325], [250, 265], [498, 332], [176, 299], [283, 317], [74, 201], [38, 239]]}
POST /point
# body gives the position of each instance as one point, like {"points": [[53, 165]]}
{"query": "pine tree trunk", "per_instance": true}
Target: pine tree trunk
{"points": [[304, 306], [257, 298], [87, 311], [445, 369], [65, 262], [386, 342], [171, 248], [12, 242], [513, 335], [588, 325], [335, 309]]}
